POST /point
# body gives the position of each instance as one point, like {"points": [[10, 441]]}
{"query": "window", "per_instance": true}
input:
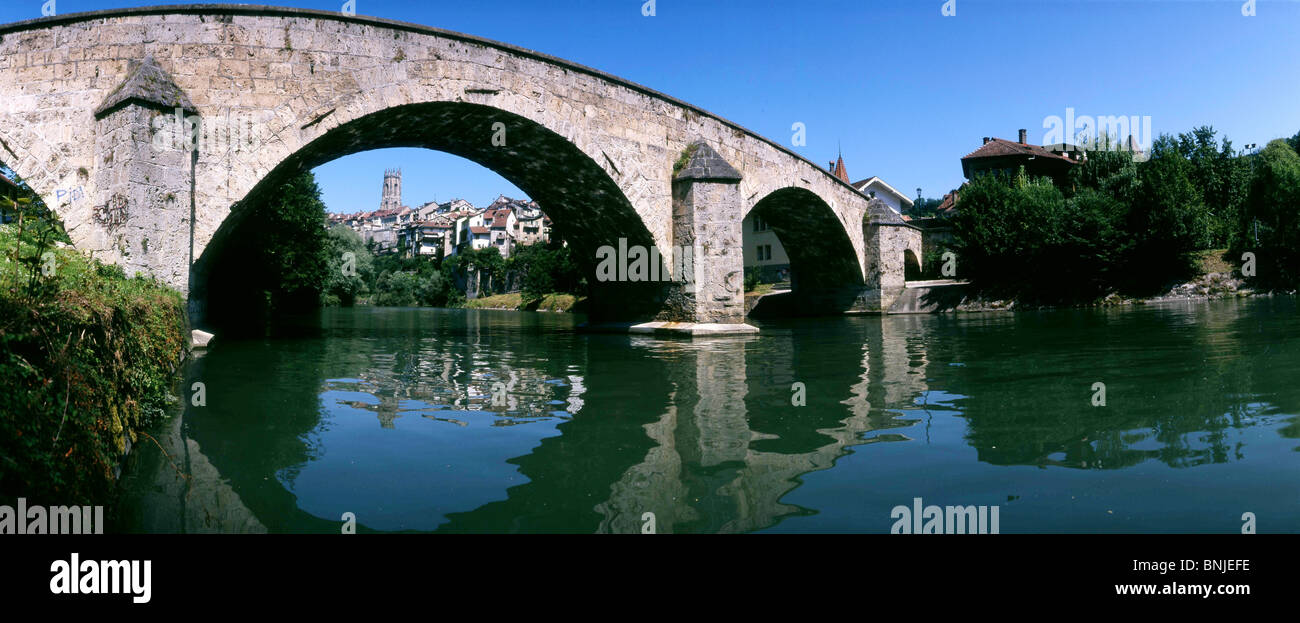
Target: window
{"points": [[760, 224], [764, 252]]}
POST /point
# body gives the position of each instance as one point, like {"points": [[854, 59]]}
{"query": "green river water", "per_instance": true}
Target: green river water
{"points": [[391, 415]]}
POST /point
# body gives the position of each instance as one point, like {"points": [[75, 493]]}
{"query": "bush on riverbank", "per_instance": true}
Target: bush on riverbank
{"points": [[86, 361]]}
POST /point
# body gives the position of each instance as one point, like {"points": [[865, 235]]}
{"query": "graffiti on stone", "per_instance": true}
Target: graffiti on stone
{"points": [[113, 213]]}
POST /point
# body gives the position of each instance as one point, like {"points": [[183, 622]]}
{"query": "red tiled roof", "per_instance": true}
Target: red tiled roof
{"points": [[948, 204], [1001, 147], [478, 230]]}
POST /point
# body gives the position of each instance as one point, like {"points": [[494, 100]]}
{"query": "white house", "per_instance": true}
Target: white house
{"points": [[763, 251], [876, 187]]}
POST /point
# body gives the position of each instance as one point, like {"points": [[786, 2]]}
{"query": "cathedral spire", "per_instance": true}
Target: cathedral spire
{"points": [[392, 197]]}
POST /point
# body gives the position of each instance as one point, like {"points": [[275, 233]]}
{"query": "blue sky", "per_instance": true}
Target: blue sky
{"points": [[904, 90]]}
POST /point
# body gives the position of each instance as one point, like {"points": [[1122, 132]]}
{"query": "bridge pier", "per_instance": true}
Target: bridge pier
{"points": [[708, 236], [142, 216], [706, 296]]}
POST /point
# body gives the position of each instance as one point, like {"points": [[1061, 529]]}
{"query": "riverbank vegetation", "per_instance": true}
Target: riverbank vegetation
{"points": [[536, 277], [1132, 228], [87, 358]]}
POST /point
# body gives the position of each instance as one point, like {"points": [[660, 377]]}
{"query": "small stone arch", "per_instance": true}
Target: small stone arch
{"points": [[912, 269]]}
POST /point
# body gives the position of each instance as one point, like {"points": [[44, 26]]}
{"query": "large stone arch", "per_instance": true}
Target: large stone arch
{"points": [[588, 208]]}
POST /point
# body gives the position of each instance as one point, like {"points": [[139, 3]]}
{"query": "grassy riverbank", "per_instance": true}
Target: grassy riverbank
{"points": [[87, 357], [555, 302]]}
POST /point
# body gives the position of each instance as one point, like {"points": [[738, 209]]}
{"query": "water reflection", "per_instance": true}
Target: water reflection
{"points": [[390, 414]]}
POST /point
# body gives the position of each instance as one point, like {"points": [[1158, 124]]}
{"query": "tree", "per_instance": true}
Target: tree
{"points": [[1004, 229], [278, 262], [349, 276], [924, 207], [544, 269], [399, 289], [1221, 176], [1270, 214], [486, 262], [295, 245], [1109, 170], [1169, 218]]}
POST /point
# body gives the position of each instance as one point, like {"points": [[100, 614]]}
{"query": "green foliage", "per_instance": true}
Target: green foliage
{"points": [[86, 364], [1222, 178], [410, 281], [36, 230], [924, 208], [1128, 226], [279, 262], [751, 278], [1007, 229], [544, 270], [1270, 224], [1108, 170], [539, 270], [348, 277], [399, 289], [1168, 220]]}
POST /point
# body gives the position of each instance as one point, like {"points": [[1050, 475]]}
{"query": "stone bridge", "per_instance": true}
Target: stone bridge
{"points": [[152, 132]]}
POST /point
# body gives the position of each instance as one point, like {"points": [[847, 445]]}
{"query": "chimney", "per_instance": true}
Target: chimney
{"points": [[831, 167], [986, 140], [1023, 136]]}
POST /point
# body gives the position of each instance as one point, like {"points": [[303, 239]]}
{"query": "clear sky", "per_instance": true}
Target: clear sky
{"points": [[904, 90]]}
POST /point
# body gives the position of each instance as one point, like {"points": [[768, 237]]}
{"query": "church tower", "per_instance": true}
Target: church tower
{"points": [[392, 198]]}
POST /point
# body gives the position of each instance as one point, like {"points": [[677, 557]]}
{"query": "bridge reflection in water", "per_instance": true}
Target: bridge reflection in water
{"points": [[389, 414]]}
